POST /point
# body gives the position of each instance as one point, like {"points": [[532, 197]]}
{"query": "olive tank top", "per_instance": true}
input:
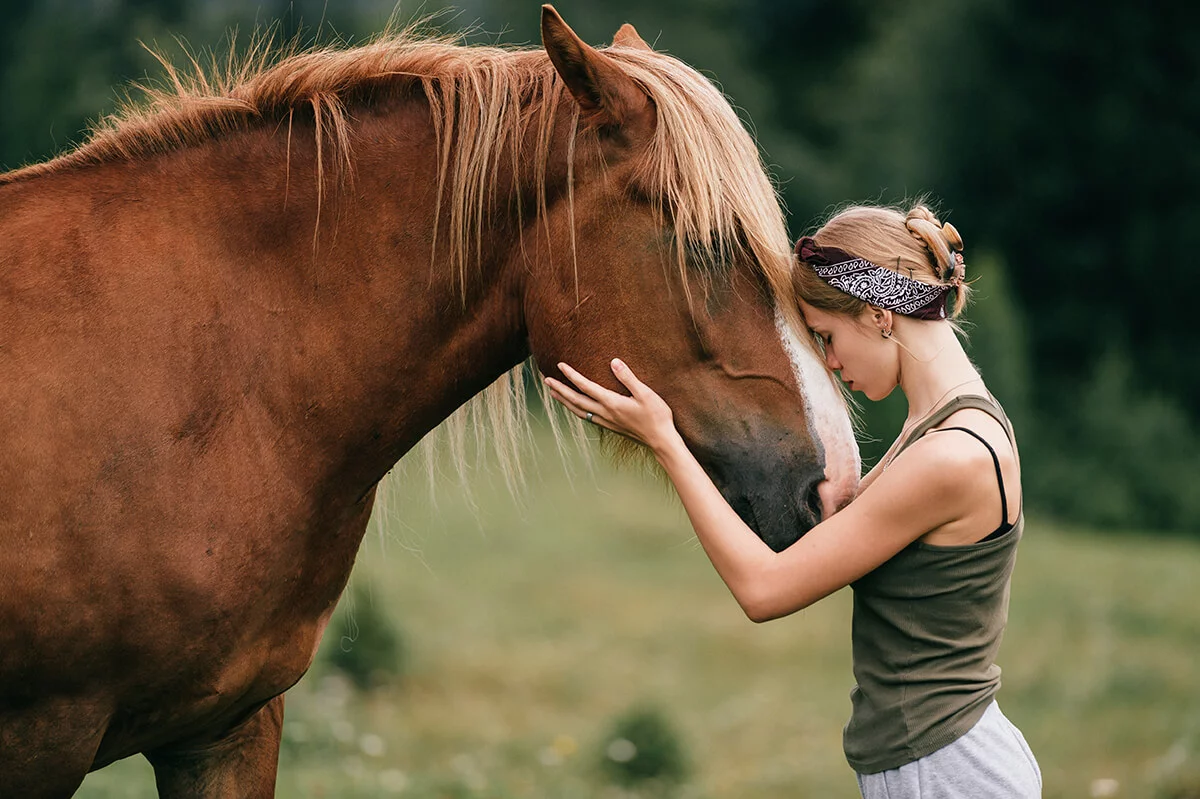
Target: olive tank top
{"points": [[926, 628]]}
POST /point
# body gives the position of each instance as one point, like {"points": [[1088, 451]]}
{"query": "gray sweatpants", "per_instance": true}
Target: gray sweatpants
{"points": [[992, 761]]}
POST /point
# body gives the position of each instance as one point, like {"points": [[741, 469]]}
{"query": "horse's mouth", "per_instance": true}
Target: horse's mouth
{"points": [[745, 510]]}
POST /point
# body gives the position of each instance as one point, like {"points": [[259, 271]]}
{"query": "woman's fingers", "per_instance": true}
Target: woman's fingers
{"points": [[580, 404], [593, 390], [628, 415], [627, 377], [596, 416]]}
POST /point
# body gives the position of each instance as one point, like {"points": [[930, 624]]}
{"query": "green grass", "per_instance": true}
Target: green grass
{"points": [[530, 625]]}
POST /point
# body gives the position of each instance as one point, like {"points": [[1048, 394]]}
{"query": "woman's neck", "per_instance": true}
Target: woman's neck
{"points": [[934, 368]]}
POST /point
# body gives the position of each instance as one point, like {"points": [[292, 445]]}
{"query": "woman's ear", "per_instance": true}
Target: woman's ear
{"points": [[881, 318]]}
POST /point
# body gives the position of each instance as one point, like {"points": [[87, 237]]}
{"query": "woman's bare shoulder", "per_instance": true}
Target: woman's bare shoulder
{"points": [[991, 429]]}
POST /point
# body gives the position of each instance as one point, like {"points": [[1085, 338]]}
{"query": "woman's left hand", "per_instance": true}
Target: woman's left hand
{"points": [[643, 416]]}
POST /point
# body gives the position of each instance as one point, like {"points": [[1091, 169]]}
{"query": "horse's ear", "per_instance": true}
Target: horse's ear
{"points": [[627, 36], [606, 95]]}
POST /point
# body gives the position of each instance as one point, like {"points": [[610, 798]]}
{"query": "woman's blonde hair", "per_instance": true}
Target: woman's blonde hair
{"points": [[915, 244]]}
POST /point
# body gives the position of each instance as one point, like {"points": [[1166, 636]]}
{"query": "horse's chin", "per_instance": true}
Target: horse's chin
{"points": [[774, 510], [780, 536]]}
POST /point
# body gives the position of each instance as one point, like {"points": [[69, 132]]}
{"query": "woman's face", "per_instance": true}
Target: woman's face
{"points": [[856, 350]]}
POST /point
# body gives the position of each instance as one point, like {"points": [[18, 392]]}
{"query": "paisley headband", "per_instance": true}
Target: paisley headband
{"points": [[874, 285]]}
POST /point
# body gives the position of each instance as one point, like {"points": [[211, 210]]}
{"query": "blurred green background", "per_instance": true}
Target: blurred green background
{"points": [[1062, 139]]}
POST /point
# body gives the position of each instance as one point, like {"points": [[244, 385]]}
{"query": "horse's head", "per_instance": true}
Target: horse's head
{"points": [[670, 251]]}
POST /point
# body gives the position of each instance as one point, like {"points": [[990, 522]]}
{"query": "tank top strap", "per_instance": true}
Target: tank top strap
{"points": [[986, 404]]}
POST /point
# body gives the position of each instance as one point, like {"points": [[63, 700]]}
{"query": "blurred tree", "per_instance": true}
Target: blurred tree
{"points": [[1091, 126], [69, 56], [63, 63], [1120, 457], [802, 50], [998, 338], [1065, 136]]}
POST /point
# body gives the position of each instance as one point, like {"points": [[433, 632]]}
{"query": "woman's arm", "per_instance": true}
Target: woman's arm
{"points": [[902, 505], [870, 476], [874, 472]]}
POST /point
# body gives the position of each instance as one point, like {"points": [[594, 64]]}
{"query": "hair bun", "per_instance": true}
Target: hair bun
{"points": [[952, 237], [941, 240]]}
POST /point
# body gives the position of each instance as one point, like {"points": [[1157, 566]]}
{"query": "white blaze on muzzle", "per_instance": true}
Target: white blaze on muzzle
{"points": [[828, 420]]}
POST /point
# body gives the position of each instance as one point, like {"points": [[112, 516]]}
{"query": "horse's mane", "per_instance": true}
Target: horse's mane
{"points": [[702, 167]]}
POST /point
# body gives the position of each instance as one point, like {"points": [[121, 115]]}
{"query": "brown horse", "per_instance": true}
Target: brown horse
{"points": [[229, 313]]}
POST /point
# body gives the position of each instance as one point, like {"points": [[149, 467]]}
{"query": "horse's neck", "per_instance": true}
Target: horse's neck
{"points": [[426, 338], [370, 339]]}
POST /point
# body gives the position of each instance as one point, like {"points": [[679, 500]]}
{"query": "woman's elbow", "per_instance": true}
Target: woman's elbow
{"points": [[760, 608], [758, 615], [761, 604]]}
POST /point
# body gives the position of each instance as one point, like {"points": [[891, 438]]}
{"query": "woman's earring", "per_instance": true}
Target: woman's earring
{"points": [[886, 332]]}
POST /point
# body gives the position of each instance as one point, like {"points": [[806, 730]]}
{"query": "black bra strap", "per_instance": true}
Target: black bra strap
{"points": [[999, 475]]}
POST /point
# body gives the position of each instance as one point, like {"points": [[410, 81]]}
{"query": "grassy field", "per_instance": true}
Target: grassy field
{"points": [[531, 624]]}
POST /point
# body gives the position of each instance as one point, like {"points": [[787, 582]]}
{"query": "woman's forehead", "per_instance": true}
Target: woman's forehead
{"points": [[815, 317]]}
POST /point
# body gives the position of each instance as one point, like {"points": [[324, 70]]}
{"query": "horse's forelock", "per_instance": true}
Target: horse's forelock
{"points": [[705, 170]]}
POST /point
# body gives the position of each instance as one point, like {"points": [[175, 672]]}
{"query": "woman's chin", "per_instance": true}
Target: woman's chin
{"points": [[874, 394], [878, 394]]}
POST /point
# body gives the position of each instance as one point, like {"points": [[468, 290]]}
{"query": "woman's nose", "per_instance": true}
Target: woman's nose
{"points": [[831, 360]]}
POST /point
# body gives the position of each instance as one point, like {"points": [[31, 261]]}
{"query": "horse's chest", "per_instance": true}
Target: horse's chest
{"points": [[237, 624]]}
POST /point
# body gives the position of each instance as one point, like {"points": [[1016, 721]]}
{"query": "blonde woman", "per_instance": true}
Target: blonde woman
{"points": [[928, 545]]}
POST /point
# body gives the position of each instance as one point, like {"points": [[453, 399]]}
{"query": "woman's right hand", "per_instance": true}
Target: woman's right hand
{"points": [[643, 416]]}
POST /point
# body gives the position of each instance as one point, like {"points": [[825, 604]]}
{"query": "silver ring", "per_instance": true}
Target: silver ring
{"points": [[588, 416]]}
